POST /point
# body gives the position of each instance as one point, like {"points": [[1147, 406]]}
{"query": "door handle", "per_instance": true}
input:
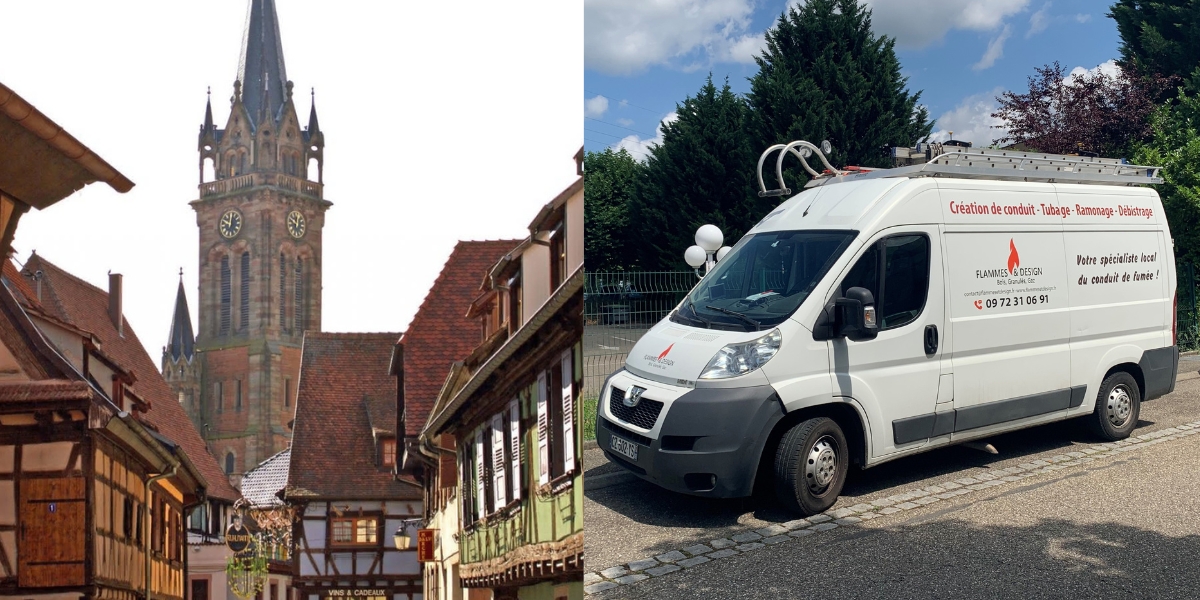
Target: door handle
{"points": [[931, 340]]}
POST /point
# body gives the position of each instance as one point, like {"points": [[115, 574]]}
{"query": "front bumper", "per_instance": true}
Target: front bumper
{"points": [[706, 442]]}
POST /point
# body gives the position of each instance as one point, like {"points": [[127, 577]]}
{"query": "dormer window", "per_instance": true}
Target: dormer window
{"points": [[387, 452]]}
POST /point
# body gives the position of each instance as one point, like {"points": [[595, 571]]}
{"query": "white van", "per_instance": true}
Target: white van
{"points": [[881, 314]]}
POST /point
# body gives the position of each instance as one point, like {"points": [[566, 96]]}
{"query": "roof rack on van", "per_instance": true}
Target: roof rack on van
{"points": [[967, 163]]}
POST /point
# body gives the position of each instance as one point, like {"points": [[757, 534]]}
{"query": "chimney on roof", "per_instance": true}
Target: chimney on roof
{"points": [[114, 303]]}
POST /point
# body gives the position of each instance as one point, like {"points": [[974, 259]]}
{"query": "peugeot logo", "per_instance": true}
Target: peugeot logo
{"points": [[633, 395]]}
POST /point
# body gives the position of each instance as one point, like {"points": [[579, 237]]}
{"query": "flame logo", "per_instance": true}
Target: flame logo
{"points": [[664, 352], [1014, 260]]}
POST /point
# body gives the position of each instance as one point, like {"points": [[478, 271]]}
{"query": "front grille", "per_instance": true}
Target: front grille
{"points": [[644, 415], [632, 436]]}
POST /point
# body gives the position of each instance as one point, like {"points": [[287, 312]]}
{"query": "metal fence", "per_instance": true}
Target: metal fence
{"points": [[618, 307], [1187, 325]]}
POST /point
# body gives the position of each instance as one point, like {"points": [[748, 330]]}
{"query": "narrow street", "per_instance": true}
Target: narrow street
{"points": [[1054, 514]]}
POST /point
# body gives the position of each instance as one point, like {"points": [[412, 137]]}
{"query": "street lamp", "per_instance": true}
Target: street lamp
{"points": [[403, 538], [708, 249]]}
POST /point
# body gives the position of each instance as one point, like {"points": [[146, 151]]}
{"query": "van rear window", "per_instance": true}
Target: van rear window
{"points": [[764, 278]]}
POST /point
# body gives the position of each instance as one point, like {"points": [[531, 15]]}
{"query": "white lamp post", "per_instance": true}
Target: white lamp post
{"points": [[708, 249]]}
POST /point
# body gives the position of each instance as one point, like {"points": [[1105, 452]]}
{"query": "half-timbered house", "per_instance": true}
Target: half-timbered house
{"points": [[440, 335], [506, 497], [340, 477], [96, 471]]}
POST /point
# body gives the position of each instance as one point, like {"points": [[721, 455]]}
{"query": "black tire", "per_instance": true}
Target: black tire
{"points": [[1118, 405], [808, 479]]}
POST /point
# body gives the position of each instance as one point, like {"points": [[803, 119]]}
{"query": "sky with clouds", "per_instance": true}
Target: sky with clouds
{"points": [[441, 124], [643, 57]]}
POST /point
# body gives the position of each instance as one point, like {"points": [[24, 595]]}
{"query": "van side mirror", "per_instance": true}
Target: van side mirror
{"points": [[855, 317]]}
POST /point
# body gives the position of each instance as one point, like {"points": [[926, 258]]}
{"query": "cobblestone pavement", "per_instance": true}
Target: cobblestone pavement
{"points": [[639, 536]]}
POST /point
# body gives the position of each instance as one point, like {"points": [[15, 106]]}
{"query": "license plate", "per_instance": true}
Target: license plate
{"points": [[623, 447]]}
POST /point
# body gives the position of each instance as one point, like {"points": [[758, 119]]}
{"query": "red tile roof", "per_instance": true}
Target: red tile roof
{"points": [[46, 389], [441, 333], [343, 380], [79, 303]]}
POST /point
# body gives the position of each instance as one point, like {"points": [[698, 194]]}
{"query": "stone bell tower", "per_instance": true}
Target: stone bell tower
{"points": [[260, 214]]}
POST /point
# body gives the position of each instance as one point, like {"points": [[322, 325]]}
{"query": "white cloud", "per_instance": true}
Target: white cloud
{"points": [[640, 148], [623, 37], [744, 49], [995, 50], [623, 122], [1038, 21], [1082, 18], [918, 23], [972, 120], [595, 107], [1108, 68]]}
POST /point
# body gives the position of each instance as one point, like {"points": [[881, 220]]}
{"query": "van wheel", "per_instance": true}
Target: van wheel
{"points": [[810, 466], [1117, 407]]}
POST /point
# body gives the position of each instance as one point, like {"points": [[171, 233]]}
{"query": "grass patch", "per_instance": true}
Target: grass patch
{"points": [[589, 418]]}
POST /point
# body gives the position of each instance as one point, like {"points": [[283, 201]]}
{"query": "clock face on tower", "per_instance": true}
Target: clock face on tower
{"points": [[295, 224], [230, 224]]}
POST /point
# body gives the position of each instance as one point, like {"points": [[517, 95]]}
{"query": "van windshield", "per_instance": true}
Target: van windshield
{"points": [[763, 279]]}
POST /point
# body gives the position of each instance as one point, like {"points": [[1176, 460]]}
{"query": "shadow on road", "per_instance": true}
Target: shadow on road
{"points": [[1052, 558]]}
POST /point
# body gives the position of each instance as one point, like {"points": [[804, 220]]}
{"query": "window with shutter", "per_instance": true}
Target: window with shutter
{"points": [[244, 299], [466, 489], [554, 408], [543, 431], [568, 412], [480, 476], [499, 498], [514, 443], [226, 296]]}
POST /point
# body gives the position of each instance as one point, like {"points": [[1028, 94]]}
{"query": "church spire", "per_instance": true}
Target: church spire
{"points": [[182, 343], [260, 70]]}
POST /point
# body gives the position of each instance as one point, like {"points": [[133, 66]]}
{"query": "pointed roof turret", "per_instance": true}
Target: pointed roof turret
{"points": [[313, 127], [208, 120], [182, 343], [260, 69]]}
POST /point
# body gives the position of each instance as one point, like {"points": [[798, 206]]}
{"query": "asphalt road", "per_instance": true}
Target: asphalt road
{"points": [[1127, 527]]}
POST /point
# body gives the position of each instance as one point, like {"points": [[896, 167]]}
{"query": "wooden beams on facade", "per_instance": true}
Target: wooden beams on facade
{"points": [[530, 564]]}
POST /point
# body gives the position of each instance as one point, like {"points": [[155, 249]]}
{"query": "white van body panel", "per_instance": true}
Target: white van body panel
{"points": [[1036, 291]]}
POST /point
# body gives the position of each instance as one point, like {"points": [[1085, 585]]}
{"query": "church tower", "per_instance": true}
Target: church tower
{"points": [[260, 218]]}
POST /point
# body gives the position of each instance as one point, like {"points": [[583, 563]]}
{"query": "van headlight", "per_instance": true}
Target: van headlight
{"points": [[739, 359]]}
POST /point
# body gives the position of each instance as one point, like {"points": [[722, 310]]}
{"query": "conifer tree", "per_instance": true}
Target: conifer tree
{"points": [[702, 172], [825, 76], [1158, 38], [609, 180]]}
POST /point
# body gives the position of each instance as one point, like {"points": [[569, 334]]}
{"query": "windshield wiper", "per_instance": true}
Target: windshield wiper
{"points": [[706, 322], [757, 326]]}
